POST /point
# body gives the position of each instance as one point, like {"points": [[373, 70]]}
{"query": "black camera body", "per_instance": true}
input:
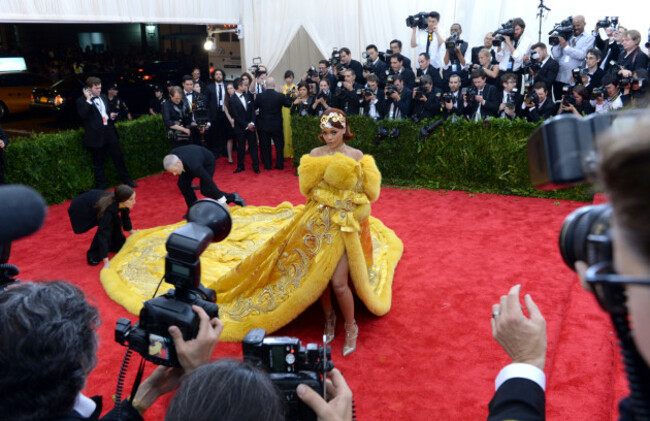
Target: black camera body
{"points": [[289, 364], [533, 65], [470, 94], [598, 91], [563, 29], [335, 58], [511, 98], [447, 97], [531, 97], [209, 221], [420, 20], [608, 22], [453, 42], [568, 99], [390, 89], [506, 29]]}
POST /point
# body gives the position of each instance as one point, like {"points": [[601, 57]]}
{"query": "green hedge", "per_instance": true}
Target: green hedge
{"points": [[462, 155], [59, 167]]}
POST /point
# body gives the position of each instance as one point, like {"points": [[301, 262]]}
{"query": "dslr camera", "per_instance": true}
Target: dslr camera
{"points": [[470, 94], [531, 97], [390, 89], [447, 97], [420, 20], [506, 29], [335, 58], [608, 22], [563, 29], [288, 363], [208, 221], [312, 72], [453, 41]]}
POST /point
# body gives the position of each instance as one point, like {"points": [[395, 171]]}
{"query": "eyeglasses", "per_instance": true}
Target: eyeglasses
{"points": [[609, 287]]}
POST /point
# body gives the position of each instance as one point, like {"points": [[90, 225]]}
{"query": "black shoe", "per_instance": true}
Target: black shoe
{"points": [[279, 167], [238, 170], [268, 167], [93, 262], [131, 183], [238, 199], [196, 187], [256, 170]]}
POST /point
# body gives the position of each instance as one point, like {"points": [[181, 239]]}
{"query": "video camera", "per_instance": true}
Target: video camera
{"points": [[507, 28], [288, 363], [208, 221], [255, 68], [453, 41], [420, 20], [563, 29], [608, 22]]}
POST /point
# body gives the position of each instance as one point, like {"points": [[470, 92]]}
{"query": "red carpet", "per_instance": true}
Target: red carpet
{"points": [[433, 353]]}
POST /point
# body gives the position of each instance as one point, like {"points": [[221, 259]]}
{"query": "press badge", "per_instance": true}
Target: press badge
{"points": [[454, 68]]}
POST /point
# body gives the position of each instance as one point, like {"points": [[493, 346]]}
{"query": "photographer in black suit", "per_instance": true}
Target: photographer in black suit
{"points": [[242, 110], [510, 99], [541, 107], [194, 161], [189, 98], [452, 100], [4, 141], [396, 48], [379, 67], [269, 124], [217, 94], [425, 100], [425, 68], [372, 102], [348, 63], [176, 115], [346, 96], [548, 72], [49, 346], [324, 98], [100, 136], [398, 99], [485, 102], [397, 68]]}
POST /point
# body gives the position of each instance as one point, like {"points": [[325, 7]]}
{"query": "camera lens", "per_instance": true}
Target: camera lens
{"points": [[576, 229]]}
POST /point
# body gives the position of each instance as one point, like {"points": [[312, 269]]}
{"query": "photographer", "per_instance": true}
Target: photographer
{"points": [[398, 99], [452, 100], [485, 102], [346, 93], [259, 84], [492, 71], [176, 116], [302, 105], [593, 75], [194, 161], [324, 99], [621, 287], [457, 30], [238, 391], [376, 66], [631, 58], [576, 102], [511, 55], [610, 99], [425, 68], [427, 41], [454, 59], [396, 49], [425, 100], [571, 53], [155, 106], [610, 48], [537, 105], [635, 89], [510, 99], [547, 68], [487, 44], [397, 68], [49, 346], [348, 63], [372, 102], [326, 73]]}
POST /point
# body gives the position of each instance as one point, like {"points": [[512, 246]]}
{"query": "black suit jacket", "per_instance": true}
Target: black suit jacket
{"points": [[197, 162], [404, 104], [173, 114], [635, 60], [518, 399], [380, 72], [213, 100], [491, 106], [548, 72], [358, 70], [435, 75], [427, 109], [270, 103], [613, 49], [95, 135], [408, 76], [458, 108], [534, 114], [476, 50], [242, 116]]}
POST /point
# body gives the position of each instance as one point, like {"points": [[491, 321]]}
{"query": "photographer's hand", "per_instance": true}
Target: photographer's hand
{"points": [[339, 404], [523, 338], [2, 144], [162, 380], [196, 352]]}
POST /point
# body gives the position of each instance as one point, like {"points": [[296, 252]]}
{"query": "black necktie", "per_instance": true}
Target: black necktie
{"points": [[219, 93], [429, 38]]}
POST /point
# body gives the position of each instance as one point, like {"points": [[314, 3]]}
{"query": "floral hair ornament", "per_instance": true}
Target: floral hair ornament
{"points": [[326, 120]]}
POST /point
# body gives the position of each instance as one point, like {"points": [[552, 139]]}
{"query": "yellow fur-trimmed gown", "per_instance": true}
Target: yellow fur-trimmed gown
{"points": [[278, 260]]}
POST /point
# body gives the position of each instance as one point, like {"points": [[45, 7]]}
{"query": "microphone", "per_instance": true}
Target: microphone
{"points": [[22, 212]]}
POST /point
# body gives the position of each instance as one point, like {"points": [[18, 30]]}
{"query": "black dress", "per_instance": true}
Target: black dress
{"points": [[109, 236]]}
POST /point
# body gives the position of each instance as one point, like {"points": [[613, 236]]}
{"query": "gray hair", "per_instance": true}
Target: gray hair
{"points": [[227, 390], [47, 349], [169, 161]]}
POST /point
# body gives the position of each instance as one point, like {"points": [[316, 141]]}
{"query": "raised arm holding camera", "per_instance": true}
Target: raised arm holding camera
{"points": [[513, 45], [570, 45], [544, 68], [426, 37]]}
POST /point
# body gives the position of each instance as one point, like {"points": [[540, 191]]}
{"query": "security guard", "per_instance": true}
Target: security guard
{"points": [[117, 104], [155, 106]]}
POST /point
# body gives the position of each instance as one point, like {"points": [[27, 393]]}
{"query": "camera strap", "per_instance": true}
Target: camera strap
{"points": [[138, 379]]}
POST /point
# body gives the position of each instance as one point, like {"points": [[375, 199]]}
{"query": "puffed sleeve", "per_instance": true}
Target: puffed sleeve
{"points": [[342, 172], [310, 172], [371, 177]]}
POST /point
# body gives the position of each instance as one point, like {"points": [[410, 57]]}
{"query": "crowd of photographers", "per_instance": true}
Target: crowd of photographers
{"points": [[508, 76]]}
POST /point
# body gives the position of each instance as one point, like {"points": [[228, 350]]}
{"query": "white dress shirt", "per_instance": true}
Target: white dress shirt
{"points": [[521, 49]]}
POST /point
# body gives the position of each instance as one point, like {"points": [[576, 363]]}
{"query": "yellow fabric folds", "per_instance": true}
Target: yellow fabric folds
{"points": [[277, 261]]}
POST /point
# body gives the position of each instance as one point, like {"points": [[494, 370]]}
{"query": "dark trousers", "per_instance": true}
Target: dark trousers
{"points": [[242, 138], [216, 136], [208, 187], [266, 151], [112, 147], [115, 243]]}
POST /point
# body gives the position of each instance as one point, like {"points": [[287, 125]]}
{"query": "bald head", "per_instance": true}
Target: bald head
{"points": [[270, 83], [578, 24]]}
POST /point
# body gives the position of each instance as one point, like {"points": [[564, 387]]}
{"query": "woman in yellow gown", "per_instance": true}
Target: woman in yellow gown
{"points": [[277, 261]]}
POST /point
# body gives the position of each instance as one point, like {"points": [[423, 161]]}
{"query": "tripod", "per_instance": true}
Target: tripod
{"points": [[540, 15]]}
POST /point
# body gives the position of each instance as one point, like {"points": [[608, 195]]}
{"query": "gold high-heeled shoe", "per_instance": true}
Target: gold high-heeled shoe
{"points": [[351, 333], [330, 327]]}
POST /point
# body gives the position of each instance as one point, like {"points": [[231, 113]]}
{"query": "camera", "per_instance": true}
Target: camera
{"points": [[453, 41], [511, 99], [563, 29], [208, 221], [390, 89], [470, 94], [647, 44], [506, 29], [447, 97], [426, 131], [577, 74], [531, 97], [420, 20], [533, 65], [596, 92], [568, 99], [335, 58], [369, 66], [255, 68], [312, 72], [288, 363], [320, 94], [607, 22]]}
